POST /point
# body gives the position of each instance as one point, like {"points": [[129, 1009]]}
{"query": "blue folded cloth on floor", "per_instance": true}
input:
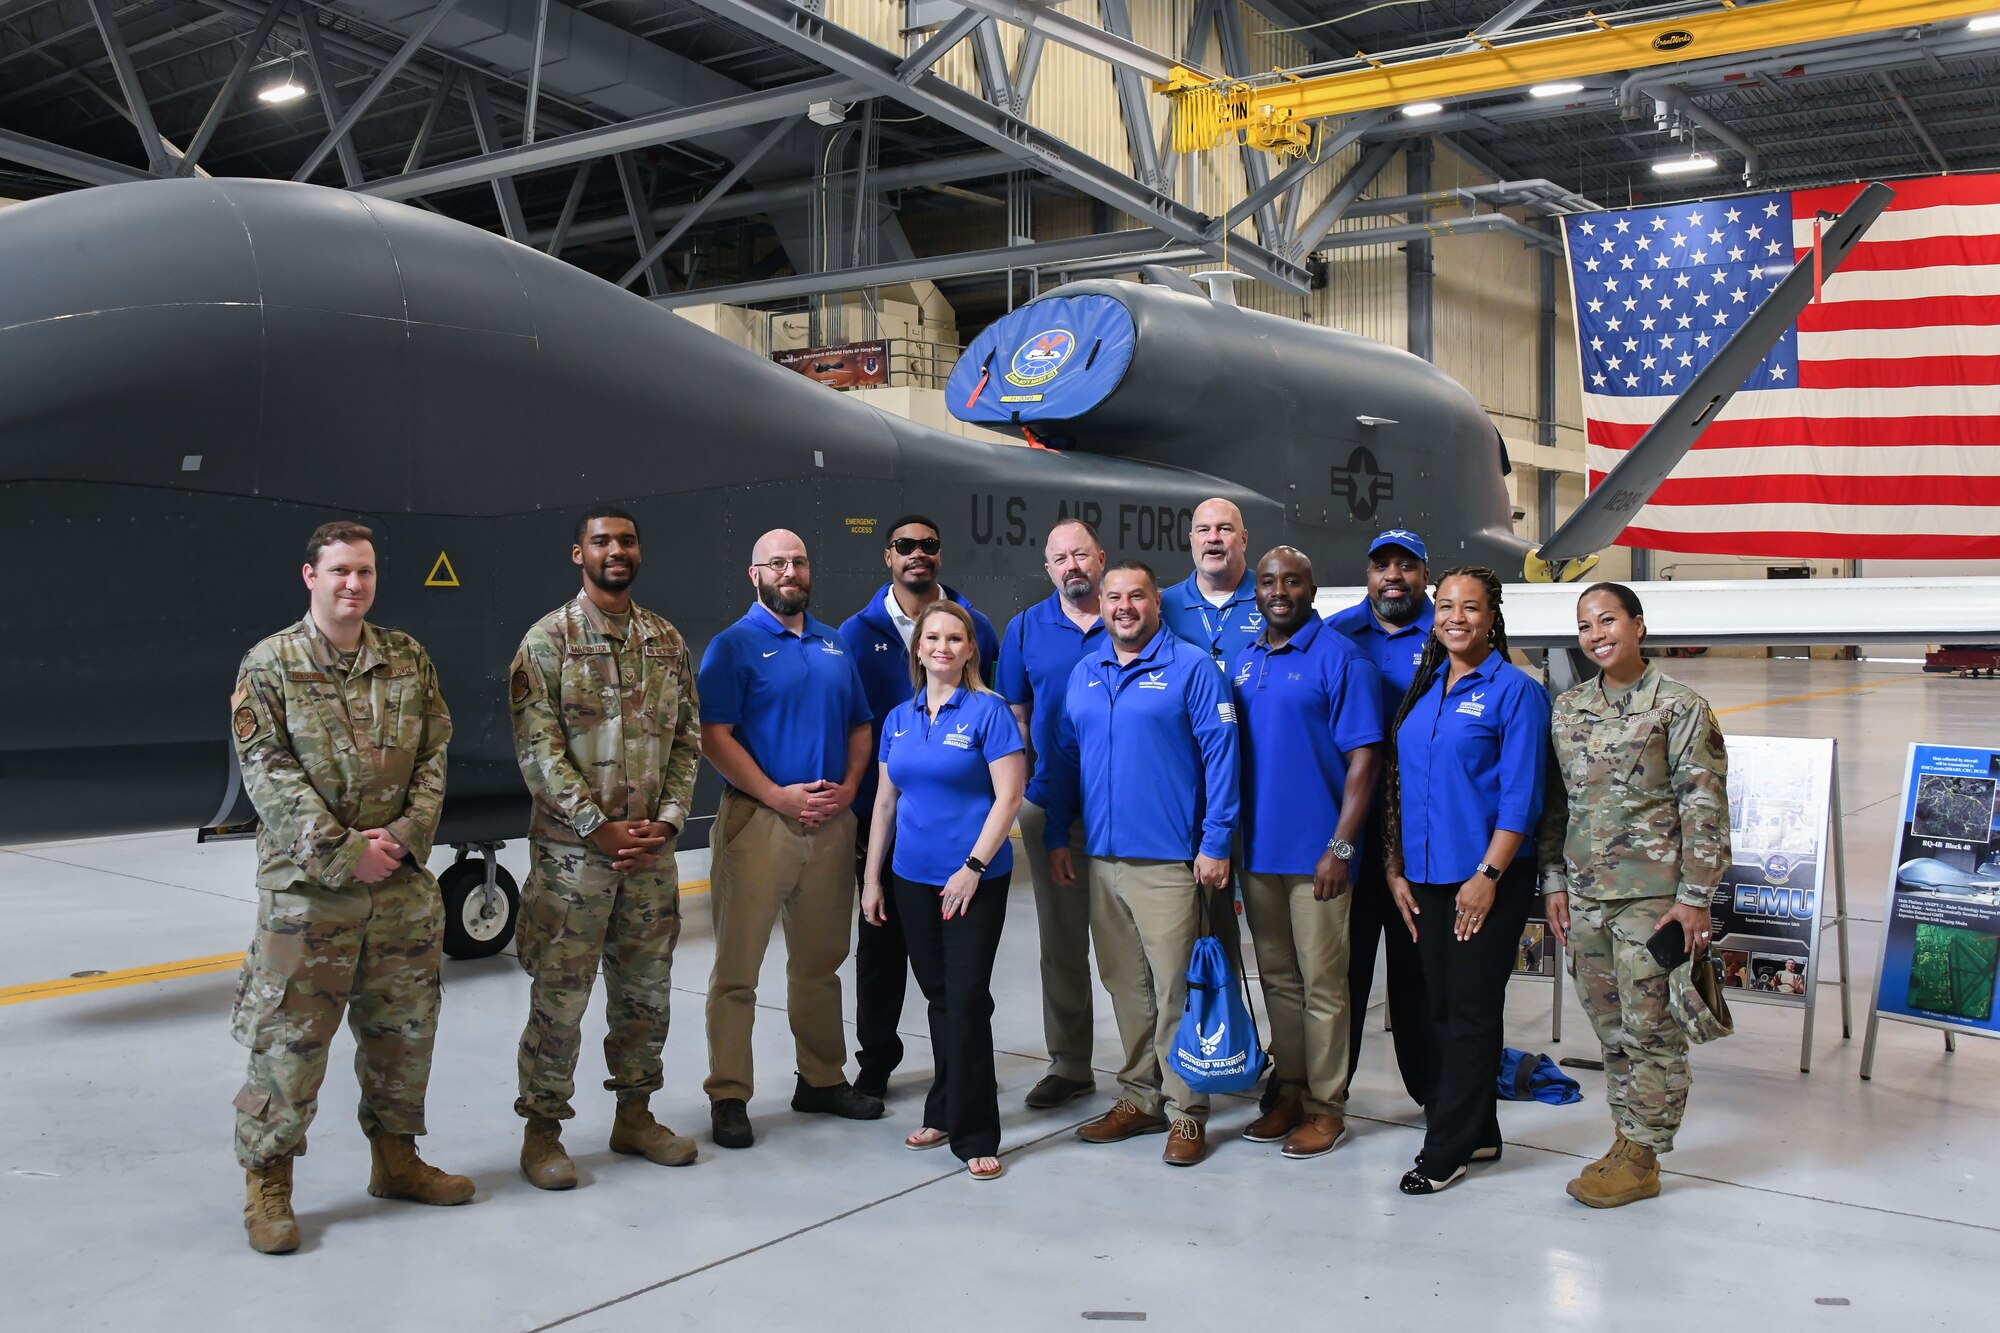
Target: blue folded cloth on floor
{"points": [[1535, 1078]]}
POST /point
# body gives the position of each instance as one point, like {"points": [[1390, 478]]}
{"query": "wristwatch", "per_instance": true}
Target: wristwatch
{"points": [[1341, 848], [975, 865], [1491, 872]]}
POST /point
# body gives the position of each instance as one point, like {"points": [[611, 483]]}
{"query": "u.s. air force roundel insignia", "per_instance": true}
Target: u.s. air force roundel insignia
{"points": [[520, 687], [246, 723]]}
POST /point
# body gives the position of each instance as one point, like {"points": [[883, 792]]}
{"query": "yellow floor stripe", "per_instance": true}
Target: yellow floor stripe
{"points": [[186, 967], [1817, 694]]}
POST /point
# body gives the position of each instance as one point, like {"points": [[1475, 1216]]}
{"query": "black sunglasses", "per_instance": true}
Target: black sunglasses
{"points": [[905, 545]]}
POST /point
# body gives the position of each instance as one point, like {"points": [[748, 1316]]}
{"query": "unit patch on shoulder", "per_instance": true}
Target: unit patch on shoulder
{"points": [[520, 687], [246, 723]]}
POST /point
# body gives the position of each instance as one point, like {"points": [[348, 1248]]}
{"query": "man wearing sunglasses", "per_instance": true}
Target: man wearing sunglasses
{"points": [[879, 637]]}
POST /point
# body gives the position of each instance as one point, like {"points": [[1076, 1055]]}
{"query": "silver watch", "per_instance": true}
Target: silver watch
{"points": [[1341, 848]]}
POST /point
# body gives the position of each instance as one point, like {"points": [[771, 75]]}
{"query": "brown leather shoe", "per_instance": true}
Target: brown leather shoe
{"points": [[1284, 1116], [1121, 1122], [1186, 1146], [1316, 1136]]}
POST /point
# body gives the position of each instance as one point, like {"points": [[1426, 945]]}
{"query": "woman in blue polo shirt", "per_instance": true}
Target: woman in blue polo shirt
{"points": [[1470, 746], [952, 771]]}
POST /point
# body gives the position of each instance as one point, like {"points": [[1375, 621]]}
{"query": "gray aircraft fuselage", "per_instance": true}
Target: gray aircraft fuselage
{"points": [[195, 373]]}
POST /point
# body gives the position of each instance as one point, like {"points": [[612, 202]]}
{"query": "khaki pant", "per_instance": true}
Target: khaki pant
{"points": [[1144, 920], [763, 869], [1302, 949], [578, 914], [1062, 912], [370, 951]]}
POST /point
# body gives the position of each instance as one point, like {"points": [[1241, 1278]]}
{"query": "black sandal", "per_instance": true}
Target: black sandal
{"points": [[1416, 1182]]}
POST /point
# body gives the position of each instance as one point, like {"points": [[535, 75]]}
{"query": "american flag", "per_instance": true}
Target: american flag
{"points": [[1872, 430]]}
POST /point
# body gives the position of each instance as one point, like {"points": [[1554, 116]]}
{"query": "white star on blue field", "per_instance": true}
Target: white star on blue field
{"points": [[1660, 290]]}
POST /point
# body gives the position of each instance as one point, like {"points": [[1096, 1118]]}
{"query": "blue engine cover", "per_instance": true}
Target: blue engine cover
{"points": [[1052, 360]]}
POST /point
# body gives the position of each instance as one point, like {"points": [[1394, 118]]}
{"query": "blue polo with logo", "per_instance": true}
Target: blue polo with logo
{"points": [[792, 698], [884, 662], [1394, 654], [1223, 632], [1471, 761], [1301, 709], [1148, 752], [1037, 653], [944, 787]]}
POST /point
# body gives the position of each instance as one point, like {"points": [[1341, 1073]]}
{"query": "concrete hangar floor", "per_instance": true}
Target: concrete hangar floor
{"points": [[1791, 1193]]}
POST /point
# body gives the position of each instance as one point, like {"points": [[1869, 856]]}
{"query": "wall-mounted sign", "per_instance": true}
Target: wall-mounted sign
{"points": [[847, 366]]}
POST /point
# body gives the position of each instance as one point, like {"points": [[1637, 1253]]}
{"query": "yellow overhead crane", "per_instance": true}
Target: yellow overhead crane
{"points": [[1275, 112]]}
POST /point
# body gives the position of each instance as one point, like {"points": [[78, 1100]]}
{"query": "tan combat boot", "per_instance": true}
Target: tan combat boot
{"points": [[543, 1160], [398, 1173], [636, 1134], [267, 1208], [1631, 1173]]}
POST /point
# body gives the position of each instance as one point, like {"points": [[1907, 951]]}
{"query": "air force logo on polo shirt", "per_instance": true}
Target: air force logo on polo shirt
{"points": [[826, 647], [1155, 680], [957, 737], [1471, 705]]}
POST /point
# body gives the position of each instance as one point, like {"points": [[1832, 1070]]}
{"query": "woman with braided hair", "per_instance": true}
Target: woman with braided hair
{"points": [[1467, 757]]}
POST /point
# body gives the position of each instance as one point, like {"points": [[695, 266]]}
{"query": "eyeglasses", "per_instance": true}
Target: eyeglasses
{"points": [[783, 563], [905, 545]]}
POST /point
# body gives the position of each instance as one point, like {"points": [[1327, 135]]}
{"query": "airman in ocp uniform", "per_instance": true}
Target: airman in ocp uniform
{"points": [[1646, 842], [607, 731], [341, 733]]}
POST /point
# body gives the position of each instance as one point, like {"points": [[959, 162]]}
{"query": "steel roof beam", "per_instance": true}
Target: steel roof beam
{"points": [[666, 127], [783, 22], [128, 84], [411, 45], [252, 45], [1306, 239], [700, 206], [66, 162], [307, 24], [1916, 125], [1120, 51]]}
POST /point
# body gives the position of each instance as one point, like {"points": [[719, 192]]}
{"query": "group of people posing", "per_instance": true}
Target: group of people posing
{"points": [[1385, 773]]}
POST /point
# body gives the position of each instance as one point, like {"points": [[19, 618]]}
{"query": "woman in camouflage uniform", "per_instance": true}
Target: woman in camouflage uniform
{"points": [[1645, 844]]}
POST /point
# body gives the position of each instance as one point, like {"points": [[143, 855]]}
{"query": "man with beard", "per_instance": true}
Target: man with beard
{"points": [[1158, 798], [607, 733], [1215, 608], [1311, 733], [1390, 627], [785, 722], [879, 636], [1037, 654], [341, 734]]}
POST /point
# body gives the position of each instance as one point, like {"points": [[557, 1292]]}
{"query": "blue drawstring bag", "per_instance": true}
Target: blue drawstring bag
{"points": [[1535, 1078], [1216, 1047]]}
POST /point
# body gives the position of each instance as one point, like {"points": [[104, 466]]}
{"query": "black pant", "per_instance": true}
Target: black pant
{"points": [[953, 961], [1374, 916], [881, 978], [1468, 989]]}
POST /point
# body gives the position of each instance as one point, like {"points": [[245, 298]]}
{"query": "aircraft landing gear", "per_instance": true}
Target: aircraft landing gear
{"points": [[481, 902]]}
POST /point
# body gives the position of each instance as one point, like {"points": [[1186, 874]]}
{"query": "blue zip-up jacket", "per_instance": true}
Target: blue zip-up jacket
{"points": [[1148, 752], [884, 664]]}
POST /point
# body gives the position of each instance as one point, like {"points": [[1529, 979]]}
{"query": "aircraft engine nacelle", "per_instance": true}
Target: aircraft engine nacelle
{"points": [[1351, 432]]}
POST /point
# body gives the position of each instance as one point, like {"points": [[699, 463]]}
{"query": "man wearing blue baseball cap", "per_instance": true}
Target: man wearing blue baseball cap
{"points": [[1390, 627]]}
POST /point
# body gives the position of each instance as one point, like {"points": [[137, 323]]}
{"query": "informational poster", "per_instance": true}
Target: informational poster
{"points": [[1767, 908], [1941, 939], [847, 366]]}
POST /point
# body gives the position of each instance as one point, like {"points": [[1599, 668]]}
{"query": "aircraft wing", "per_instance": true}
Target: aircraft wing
{"points": [[1607, 510], [1759, 612]]}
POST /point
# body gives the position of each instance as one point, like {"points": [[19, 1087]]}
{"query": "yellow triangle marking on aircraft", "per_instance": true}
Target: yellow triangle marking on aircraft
{"points": [[442, 575]]}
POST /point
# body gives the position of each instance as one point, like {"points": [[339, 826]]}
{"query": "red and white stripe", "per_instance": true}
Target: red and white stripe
{"points": [[1889, 446]]}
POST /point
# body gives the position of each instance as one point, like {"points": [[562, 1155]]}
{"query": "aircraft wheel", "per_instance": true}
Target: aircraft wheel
{"points": [[471, 928]]}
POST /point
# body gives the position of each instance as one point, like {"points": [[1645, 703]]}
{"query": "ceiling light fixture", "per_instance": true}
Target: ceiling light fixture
{"points": [[1985, 23], [1680, 166], [1554, 89], [1416, 109], [285, 89]]}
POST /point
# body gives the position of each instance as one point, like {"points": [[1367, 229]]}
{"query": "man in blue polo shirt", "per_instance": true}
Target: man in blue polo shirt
{"points": [[1390, 627], [879, 636], [1037, 654], [1215, 608], [1158, 797], [784, 720], [1307, 707]]}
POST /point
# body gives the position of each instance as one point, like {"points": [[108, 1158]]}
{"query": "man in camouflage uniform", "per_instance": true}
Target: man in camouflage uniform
{"points": [[341, 734], [1645, 773], [608, 734]]}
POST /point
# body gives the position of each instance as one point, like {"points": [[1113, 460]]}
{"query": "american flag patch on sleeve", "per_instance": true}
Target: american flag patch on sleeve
{"points": [[1227, 712]]}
